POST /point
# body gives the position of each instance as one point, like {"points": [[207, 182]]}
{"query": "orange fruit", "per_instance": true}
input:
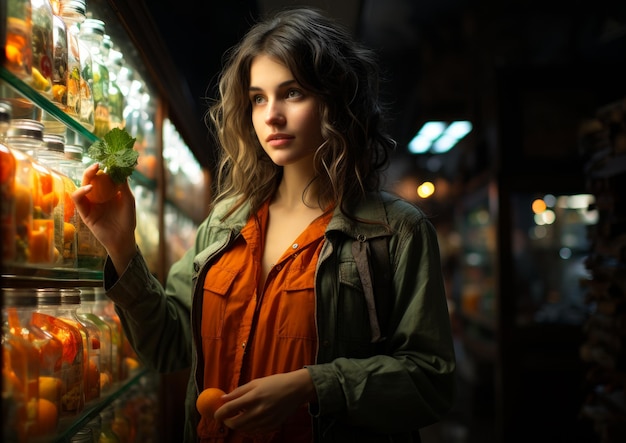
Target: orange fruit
{"points": [[50, 388], [209, 401], [47, 417], [104, 189]]}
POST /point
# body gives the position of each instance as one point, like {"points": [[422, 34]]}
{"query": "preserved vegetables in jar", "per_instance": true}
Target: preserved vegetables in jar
{"points": [[79, 92], [91, 254], [52, 154], [19, 305], [92, 34], [8, 168], [43, 46], [60, 67], [17, 39], [87, 304], [46, 317], [36, 187], [20, 389]]}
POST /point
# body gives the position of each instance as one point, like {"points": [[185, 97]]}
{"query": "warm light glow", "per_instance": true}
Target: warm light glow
{"points": [[426, 189], [539, 206]]}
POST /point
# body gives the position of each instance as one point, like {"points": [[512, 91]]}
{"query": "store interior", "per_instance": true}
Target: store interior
{"points": [[530, 77], [528, 205]]}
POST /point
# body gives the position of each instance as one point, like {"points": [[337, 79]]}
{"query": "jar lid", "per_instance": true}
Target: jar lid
{"points": [[48, 297], [6, 110], [74, 152], [70, 296], [70, 6], [54, 142], [18, 297], [26, 128], [100, 293], [87, 294], [92, 26]]}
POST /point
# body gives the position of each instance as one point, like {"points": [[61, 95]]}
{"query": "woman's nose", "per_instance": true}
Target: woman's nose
{"points": [[274, 115]]}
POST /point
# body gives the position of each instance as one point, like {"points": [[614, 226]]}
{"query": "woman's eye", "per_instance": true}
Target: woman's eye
{"points": [[257, 99], [294, 93]]}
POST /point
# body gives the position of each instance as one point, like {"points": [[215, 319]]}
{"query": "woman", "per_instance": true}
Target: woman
{"points": [[279, 302]]}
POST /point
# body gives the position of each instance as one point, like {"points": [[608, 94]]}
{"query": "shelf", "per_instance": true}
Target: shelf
{"points": [[92, 410], [45, 104]]}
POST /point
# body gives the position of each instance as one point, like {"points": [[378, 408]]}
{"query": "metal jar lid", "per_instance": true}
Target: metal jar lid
{"points": [[18, 297], [48, 297], [54, 142], [73, 152], [25, 129], [92, 26]]}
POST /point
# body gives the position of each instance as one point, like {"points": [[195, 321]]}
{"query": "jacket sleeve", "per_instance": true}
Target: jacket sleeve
{"points": [[156, 320], [410, 383]]}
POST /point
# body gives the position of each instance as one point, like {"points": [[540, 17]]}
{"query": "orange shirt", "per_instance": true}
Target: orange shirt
{"points": [[248, 335]]}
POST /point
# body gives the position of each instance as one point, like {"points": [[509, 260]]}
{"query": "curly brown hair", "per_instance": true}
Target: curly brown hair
{"points": [[344, 76]]}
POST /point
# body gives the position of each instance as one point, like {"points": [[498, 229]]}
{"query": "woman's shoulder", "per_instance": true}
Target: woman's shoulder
{"points": [[399, 209]]}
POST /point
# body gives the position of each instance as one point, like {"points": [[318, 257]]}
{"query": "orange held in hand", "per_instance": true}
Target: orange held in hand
{"points": [[209, 401], [104, 189]]}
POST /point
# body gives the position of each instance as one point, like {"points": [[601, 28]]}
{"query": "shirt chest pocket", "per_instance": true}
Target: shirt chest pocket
{"points": [[217, 286], [296, 308]]}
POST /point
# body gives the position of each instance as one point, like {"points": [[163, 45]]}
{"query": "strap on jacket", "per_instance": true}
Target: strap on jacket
{"points": [[374, 289]]}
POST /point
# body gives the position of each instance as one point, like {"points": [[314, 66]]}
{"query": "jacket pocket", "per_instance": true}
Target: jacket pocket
{"points": [[216, 286], [353, 324]]}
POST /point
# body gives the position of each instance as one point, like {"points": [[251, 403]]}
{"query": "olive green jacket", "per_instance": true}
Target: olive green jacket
{"points": [[370, 387]]}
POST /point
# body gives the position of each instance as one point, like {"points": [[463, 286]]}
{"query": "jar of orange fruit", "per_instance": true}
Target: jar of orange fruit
{"points": [[46, 317], [36, 195], [18, 305]]}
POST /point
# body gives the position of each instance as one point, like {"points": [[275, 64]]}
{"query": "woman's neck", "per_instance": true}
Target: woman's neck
{"points": [[297, 188]]}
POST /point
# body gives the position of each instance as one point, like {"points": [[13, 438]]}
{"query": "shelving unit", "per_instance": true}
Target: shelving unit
{"points": [[156, 194]]}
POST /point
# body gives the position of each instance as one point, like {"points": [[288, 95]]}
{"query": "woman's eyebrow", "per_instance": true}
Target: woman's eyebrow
{"points": [[280, 86]]}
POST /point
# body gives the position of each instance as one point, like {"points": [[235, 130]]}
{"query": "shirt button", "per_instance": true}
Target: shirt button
{"points": [[295, 246], [196, 267], [243, 345], [279, 267]]}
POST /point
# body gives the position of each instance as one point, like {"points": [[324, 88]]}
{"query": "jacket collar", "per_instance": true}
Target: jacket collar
{"points": [[370, 218]]}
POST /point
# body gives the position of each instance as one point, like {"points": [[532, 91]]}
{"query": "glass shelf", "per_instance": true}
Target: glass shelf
{"points": [[92, 410], [45, 104]]}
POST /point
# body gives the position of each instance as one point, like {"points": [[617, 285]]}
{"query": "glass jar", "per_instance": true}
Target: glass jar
{"points": [[80, 77], [52, 154], [20, 377], [8, 169], [105, 309], [92, 34], [68, 311], [60, 68], [90, 254], [117, 102], [36, 195], [43, 46], [46, 317], [86, 311], [18, 47], [19, 304]]}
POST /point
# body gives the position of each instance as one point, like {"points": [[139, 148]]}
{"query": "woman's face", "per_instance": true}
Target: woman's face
{"points": [[285, 116]]}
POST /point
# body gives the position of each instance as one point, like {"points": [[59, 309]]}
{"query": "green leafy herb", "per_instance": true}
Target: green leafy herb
{"points": [[115, 154]]}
